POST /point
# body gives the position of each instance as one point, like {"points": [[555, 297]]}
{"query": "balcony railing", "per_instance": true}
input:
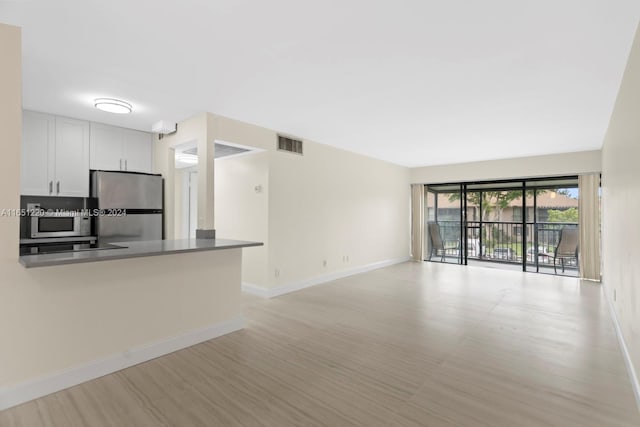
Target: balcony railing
{"points": [[502, 241]]}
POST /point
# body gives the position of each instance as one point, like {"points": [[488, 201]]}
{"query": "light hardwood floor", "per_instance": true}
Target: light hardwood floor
{"points": [[416, 344]]}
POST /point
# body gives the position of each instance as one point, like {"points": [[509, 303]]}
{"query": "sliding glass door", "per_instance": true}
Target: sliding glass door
{"points": [[518, 223]]}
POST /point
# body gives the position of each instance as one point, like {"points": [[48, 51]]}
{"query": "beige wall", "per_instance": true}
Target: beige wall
{"points": [[334, 206], [56, 318], [190, 131], [328, 205], [241, 212], [621, 204], [178, 211], [524, 167]]}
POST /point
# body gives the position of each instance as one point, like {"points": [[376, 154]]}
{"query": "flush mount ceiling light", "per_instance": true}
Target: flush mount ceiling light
{"points": [[112, 105]]}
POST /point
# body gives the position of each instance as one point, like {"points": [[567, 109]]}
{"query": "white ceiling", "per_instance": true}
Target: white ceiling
{"points": [[415, 82]]}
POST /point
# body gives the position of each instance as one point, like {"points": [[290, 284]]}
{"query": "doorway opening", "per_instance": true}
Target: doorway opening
{"points": [[186, 165]]}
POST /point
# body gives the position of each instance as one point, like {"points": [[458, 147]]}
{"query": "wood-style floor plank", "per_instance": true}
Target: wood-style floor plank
{"points": [[416, 344]]}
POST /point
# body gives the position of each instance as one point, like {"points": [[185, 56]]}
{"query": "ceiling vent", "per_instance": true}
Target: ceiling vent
{"points": [[289, 144]]}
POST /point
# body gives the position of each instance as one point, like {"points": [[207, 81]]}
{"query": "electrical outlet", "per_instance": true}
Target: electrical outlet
{"points": [[277, 272], [324, 263]]}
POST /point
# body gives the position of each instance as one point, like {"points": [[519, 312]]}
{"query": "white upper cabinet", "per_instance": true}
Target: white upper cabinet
{"points": [[137, 151], [119, 149], [72, 158], [55, 156], [106, 147], [37, 169]]}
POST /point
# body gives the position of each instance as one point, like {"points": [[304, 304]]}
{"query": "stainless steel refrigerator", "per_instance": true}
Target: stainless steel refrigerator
{"points": [[130, 206]]}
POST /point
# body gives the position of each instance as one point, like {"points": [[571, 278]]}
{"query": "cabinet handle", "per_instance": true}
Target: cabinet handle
{"points": [[120, 164], [125, 165], [50, 187], [58, 187]]}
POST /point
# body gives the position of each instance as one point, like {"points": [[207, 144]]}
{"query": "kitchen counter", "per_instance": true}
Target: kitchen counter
{"points": [[134, 250]]}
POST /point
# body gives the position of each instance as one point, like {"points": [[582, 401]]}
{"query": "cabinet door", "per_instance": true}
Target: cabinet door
{"points": [[37, 170], [106, 147], [136, 151], [72, 158]]}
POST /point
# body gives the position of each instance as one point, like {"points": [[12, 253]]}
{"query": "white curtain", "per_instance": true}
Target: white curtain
{"points": [[417, 222], [589, 218]]}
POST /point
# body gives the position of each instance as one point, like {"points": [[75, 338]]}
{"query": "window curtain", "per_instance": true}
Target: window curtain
{"points": [[417, 222], [589, 219]]}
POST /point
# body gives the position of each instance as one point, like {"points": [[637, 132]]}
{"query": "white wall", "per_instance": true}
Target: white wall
{"points": [[523, 167], [621, 205], [241, 212], [58, 318]]}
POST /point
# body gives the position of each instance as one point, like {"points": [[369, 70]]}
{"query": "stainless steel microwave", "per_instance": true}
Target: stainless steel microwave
{"points": [[58, 223]]}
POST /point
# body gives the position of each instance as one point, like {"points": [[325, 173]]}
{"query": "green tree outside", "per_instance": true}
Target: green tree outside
{"points": [[567, 215], [493, 200]]}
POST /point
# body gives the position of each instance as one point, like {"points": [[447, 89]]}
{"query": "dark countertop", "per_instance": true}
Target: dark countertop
{"points": [[133, 250]]}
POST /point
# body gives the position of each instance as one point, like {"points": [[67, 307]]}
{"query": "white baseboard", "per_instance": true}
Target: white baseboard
{"points": [[296, 286], [633, 376], [252, 289], [21, 393]]}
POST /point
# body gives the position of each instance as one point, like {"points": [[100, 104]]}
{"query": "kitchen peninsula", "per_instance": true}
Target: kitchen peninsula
{"points": [[137, 249], [75, 320], [138, 303]]}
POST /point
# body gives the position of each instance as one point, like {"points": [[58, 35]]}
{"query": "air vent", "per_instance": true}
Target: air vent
{"points": [[289, 144]]}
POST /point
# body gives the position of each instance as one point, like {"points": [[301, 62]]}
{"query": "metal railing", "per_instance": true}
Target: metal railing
{"points": [[502, 241]]}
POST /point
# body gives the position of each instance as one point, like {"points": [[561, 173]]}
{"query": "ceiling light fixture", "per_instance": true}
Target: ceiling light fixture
{"points": [[112, 105]]}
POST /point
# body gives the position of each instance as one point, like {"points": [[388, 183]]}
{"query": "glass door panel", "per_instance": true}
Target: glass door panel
{"points": [[502, 229], [476, 235], [531, 231], [429, 217], [557, 214], [444, 224]]}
